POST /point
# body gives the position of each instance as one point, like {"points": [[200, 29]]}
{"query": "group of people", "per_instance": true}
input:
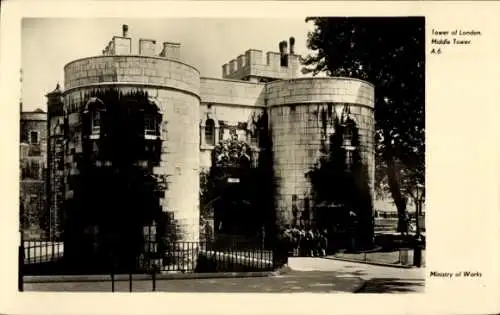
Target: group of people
{"points": [[305, 241]]}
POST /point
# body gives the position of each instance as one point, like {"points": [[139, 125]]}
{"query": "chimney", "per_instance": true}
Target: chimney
{"points": [[124, 30], [283, 45], [283, 52], [292, 45]]}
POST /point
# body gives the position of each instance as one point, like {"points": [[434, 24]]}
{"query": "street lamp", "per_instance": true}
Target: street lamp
{"points": [[417, 253]]}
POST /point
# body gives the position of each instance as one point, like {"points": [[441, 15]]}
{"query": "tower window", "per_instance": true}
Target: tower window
{"points": [[150, 125], [31, 170], [34, 137], [348, 132], [96, 122], [210, 132]]}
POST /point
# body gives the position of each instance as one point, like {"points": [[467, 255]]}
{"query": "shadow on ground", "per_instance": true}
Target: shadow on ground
{"points": [[393, 285]]}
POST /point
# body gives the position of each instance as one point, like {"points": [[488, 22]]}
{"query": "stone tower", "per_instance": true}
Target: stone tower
{"points": [[304, 116], [95, 87]]}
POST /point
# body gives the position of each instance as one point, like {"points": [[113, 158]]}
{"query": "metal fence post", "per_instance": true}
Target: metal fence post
{"points": [[53, 249], [20, 280], [112, 280], [130, 281], [154, 277]]}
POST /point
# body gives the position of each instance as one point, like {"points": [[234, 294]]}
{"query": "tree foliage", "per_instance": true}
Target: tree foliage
{"points": [[390, 53]]}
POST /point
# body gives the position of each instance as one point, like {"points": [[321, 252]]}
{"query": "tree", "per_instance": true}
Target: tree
{"points": [[390, 53]]}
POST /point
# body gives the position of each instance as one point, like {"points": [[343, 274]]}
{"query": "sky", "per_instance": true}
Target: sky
{"points": [[47, 44]]}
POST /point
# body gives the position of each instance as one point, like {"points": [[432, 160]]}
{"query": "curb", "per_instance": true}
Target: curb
{"points": [[369, 262], [138, 277]]}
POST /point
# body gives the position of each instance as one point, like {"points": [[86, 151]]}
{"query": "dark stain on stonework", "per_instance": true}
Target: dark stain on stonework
{"points": [[341, 197], [115, 192]]}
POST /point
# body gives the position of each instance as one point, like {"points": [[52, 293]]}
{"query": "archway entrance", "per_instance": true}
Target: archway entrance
{"points": [[233, 210], [238, 219]]}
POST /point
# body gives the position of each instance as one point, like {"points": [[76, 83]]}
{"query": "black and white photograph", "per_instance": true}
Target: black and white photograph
{"points": [[222, 155]]}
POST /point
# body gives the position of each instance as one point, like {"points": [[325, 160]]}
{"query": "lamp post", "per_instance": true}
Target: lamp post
{"points": [[417, 253]]}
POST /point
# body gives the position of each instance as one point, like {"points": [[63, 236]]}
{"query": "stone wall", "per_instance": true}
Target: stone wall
{"points": [[32, 202], [296, 125], [230, 104], [33, 165], [146, 70], [233, 93], [253, 65], [38, 150]]}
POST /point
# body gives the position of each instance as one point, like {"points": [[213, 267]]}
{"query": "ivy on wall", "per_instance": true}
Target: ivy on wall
{"points": [[33, 214], [340, 184], [115, 189]]}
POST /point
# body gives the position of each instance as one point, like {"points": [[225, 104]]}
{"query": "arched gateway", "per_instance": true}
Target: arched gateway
{"points": [[233, 180]]}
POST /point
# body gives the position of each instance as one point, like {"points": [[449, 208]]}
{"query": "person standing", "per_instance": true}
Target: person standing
{"points": [[302, 242], [310, 242], [295, 241], [324, 242]]}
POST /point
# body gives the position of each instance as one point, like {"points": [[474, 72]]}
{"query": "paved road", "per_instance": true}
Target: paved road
{"points": [[308, 275], [295, 281], [378, 279]]}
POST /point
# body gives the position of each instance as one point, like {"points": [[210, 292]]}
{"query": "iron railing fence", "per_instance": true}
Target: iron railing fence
{"points": [[155, 258], [39, 251], [185, 256]]}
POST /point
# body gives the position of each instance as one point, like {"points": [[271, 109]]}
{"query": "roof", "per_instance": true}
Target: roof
{"points": [[36, 115]]}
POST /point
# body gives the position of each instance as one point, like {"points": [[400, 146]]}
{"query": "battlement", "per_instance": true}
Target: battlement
{"points": [[171, 51], [122, 45], [252, 67], [147, 47]]}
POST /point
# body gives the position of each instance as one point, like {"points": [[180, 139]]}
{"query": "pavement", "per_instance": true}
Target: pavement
{"points": [[377, 279], [308, 274], [293, 281], [394, 258]]}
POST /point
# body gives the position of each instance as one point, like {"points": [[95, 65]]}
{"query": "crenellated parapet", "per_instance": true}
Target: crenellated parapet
{"points": [[122, 45], [252, 66]]}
